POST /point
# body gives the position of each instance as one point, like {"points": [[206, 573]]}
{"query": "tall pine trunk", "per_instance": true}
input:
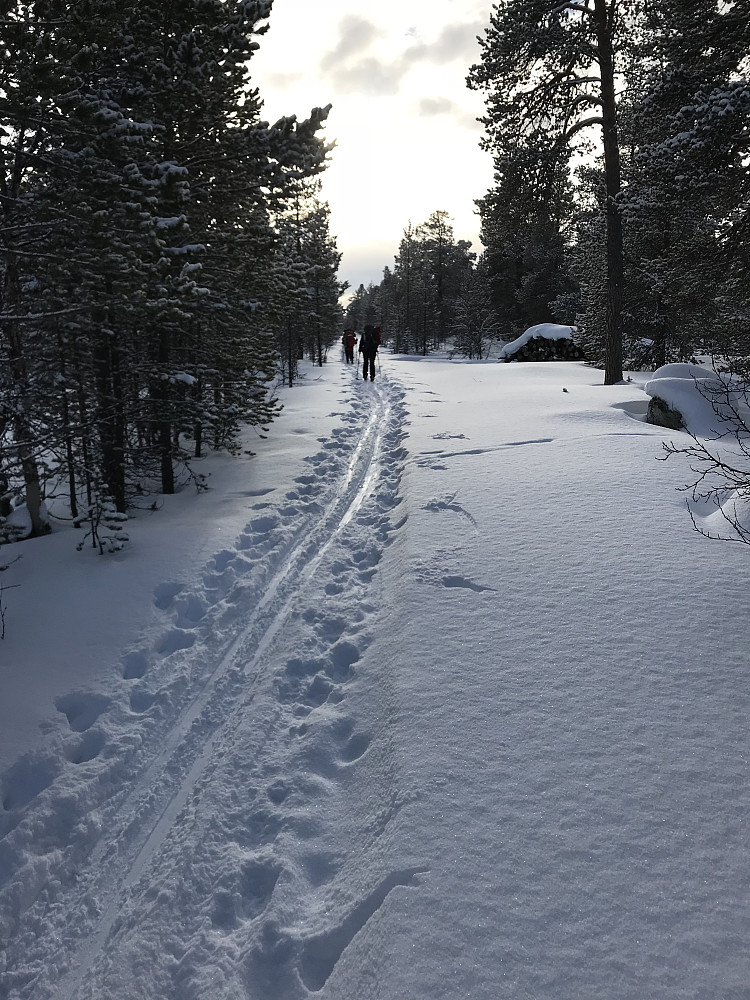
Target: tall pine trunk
{"points": [[615, 266]]}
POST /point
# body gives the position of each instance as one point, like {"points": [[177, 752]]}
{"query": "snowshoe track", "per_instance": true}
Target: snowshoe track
{"points": [[218, 693]]}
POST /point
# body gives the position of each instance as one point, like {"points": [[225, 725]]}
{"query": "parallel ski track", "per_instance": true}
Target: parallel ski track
{"points": [[137, 841]]}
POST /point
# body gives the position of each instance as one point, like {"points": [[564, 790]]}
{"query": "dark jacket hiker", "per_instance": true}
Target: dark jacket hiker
{"points": [[369, 343]]}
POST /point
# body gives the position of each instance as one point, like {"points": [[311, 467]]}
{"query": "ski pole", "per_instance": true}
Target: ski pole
{"points": [[358, 366], [380, 370]]}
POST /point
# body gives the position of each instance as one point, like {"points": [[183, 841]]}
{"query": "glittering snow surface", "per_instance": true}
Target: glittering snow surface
{"points": [[439, 696]]}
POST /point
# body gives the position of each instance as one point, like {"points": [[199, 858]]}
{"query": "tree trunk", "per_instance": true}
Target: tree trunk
{"points": [[110, 419], [291, 355], [198, 427], [67, 430], [165, 427], [21, 426], [615, 268]]}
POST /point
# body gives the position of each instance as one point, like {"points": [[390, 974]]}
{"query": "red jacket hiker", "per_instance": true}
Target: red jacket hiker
{"points": [[349, 340]]}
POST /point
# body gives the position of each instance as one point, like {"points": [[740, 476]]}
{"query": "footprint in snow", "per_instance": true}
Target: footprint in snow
{"points": [[135, 665], [296, 682], [174, 641], [82, 710], [278, 791], [317, 691], [87, 748], [343, 656], [223, 559], [261, 829], [356, 747], [320, 867], [262, 525], [330, 629], [26, 779], [165, 593], [141, 701], [249, 897], [190, 611]]}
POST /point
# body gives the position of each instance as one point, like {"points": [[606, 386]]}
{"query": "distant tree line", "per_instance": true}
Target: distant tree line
{"points": [[163, 250], [436, 292], [620, 137]]}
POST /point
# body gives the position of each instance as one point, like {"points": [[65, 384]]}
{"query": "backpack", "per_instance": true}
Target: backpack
{"points": [[371, 337]]}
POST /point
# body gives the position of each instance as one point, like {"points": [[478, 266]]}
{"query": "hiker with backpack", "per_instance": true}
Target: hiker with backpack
{"points": [[349, 340], [369, 343]]}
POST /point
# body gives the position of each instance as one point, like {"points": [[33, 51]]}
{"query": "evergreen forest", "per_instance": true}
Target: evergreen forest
{"points": [[166, 255]]}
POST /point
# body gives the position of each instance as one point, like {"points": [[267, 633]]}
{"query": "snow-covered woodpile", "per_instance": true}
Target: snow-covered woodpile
{"points": [[544, 342]]}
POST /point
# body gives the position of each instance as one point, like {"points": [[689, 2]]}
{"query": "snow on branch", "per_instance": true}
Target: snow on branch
{"points": [[571, 6]]}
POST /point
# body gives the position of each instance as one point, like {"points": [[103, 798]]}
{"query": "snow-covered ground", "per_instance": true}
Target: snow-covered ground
{"points": [[439, 696]]}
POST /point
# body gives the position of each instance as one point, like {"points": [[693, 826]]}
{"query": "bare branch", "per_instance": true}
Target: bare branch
{"points": [[586, 99], [581, 125], [33, 317]]}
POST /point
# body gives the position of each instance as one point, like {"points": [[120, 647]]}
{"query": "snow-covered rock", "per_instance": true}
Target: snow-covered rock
{"points": [[705, 400]]}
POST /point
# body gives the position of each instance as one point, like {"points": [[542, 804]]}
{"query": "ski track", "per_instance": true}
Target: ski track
{"points": [[248, 683]]}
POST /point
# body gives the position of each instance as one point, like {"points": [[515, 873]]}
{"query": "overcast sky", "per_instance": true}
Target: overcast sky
{"points": [[402, 117]]}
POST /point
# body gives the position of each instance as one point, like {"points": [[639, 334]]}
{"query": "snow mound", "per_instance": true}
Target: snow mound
{"points": [[683, 369], [543, 331], [709, 402]]}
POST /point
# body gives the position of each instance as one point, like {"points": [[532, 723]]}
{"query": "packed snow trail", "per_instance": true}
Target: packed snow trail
{"points": [[487, 737], [262, 707]]}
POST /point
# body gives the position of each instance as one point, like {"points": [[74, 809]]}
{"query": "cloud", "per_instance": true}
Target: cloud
{"points": [[431, 107], [455, 41], [356, 35], [368, 76], [282, 81], [351, 71]]}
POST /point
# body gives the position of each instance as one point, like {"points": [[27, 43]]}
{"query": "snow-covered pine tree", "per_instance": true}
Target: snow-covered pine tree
{"points": [[363, 308], [548, 71], [310, 217], [686, 199], [525, 228], [136, 186], [30, 125], [447, 262], [475, 324], [405, 280]]}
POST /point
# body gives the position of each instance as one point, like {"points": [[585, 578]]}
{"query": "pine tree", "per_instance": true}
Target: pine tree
{"points": [[548, 70], [447, 262], [526, 225], [475, 325], [686, 202]]}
